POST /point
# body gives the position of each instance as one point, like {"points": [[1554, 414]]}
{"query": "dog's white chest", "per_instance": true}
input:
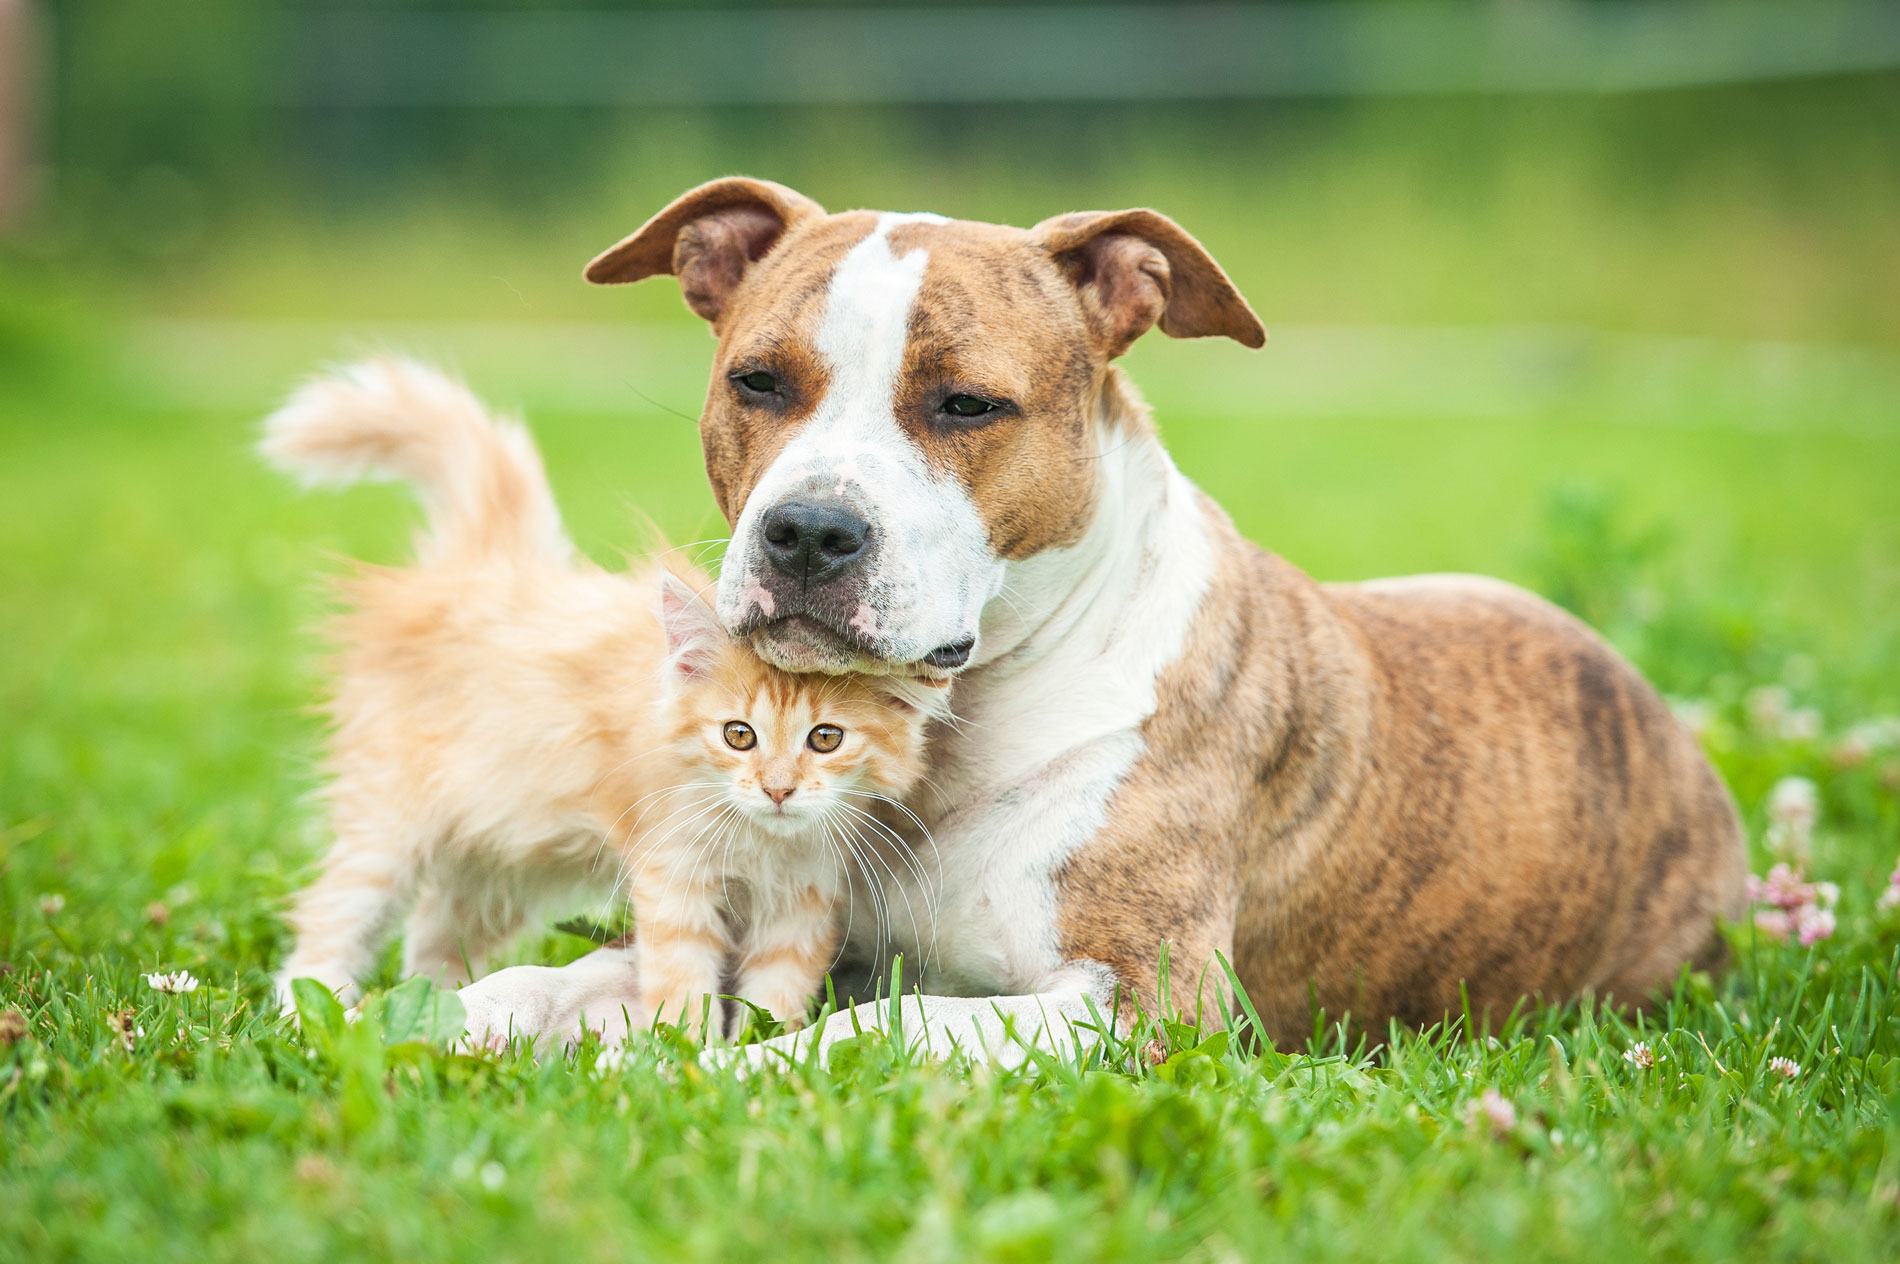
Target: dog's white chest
{"points": [[1043, 741]]}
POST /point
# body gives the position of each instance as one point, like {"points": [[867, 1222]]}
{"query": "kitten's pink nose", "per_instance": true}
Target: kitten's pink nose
{"points": [[778, 795]]}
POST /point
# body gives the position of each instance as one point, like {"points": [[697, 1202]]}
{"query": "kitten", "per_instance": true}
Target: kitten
{"points": [[781, 774], [515, 725]]}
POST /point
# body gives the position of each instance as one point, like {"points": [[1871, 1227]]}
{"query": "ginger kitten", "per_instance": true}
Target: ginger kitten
{"points": [[515, 725]]}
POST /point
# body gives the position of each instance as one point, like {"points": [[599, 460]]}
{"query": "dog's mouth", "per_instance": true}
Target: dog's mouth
{"points": [[806, 643], [803, 643], [952, 657]]}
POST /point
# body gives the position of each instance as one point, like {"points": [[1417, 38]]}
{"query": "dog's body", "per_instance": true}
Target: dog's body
{"points": [[1362, 795]]}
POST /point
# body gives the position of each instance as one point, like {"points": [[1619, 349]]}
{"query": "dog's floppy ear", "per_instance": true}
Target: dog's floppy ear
{"points": [[1135, 269], [707, 238]]}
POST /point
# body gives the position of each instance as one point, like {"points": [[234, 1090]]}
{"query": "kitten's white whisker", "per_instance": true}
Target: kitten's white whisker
{"points": [[663, 833], [726, 838], [916, 930], [844, 868], [880, 893], [634, 854], [607, 836], [692, 544], [885, 798], [640, 829], [1014, 609], [873, 888], [675, 789], [903, 843]]}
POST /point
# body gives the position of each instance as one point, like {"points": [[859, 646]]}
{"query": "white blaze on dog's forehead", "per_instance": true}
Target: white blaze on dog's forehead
{"points": [[867, 321]]}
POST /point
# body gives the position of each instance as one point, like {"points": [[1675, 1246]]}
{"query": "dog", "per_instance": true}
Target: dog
{"points": [[1386, 800]]}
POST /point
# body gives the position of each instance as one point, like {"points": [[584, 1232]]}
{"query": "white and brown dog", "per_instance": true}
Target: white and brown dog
{"points": [[1362, 795]]}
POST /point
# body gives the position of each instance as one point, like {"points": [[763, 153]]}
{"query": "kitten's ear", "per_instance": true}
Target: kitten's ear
{"points": [[693, 634]]}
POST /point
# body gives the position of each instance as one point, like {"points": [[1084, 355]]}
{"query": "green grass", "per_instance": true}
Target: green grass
{"points": [[1434, 398], [157, 677]]}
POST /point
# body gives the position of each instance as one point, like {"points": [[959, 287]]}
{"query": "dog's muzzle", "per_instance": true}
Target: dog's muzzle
{"points": [[808, 570], [852, 575]]}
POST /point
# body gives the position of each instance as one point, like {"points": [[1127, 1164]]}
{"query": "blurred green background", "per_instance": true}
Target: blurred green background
{"points": [[1627, 272]]}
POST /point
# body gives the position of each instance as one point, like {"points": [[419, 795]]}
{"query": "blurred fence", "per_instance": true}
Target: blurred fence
{"points": [[243, 92], [19, 71], [1082, 52], [1530, 160]]}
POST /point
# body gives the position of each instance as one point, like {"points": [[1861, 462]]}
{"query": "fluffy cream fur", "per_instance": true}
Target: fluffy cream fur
{"points": [[514, 725]]}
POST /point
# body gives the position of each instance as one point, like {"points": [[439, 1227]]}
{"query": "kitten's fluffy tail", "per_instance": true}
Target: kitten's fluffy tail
{"points": [[479, 477]]}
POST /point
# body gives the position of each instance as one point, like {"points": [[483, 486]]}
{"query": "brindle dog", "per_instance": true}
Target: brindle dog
{"points": [[1366, 796]]}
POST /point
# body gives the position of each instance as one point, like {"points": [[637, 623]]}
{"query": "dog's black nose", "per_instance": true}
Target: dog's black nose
{"points": [[814, 542]]}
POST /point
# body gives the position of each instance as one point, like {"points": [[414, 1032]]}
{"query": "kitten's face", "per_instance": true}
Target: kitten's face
{"points": [[788, 753]]}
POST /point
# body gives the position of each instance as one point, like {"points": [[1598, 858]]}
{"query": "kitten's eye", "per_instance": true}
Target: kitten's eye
{"points": [[757, 382], [966, 407], [825, 738], [739, 735]]}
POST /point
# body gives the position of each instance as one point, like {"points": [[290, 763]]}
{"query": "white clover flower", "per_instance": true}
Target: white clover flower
{"points": [[610, 1060], [1890, 898], [1882, 732], [1767, 706], [177, 983], [1793, 807], [1493, 1110], [1640, 1056], [1790, 844], [1786, 1068], [1801, 725], [1866, 739], [1695, 714], [1794, 801], [51, 904], [1850, 752]]}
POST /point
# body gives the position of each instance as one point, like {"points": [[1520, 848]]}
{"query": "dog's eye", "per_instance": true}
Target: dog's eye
{"points": [[739, 735], [969, 406], [759, 382], [825, 738]]}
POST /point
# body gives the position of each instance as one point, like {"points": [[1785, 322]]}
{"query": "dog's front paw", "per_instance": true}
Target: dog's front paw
{"points": [[544, 1004], [506, 1004]]}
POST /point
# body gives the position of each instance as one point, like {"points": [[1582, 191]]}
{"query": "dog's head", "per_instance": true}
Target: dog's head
{"points": [[902, 404]]}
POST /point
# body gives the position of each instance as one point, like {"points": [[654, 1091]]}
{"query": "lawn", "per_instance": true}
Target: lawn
{"points": [[1705, 475]]}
